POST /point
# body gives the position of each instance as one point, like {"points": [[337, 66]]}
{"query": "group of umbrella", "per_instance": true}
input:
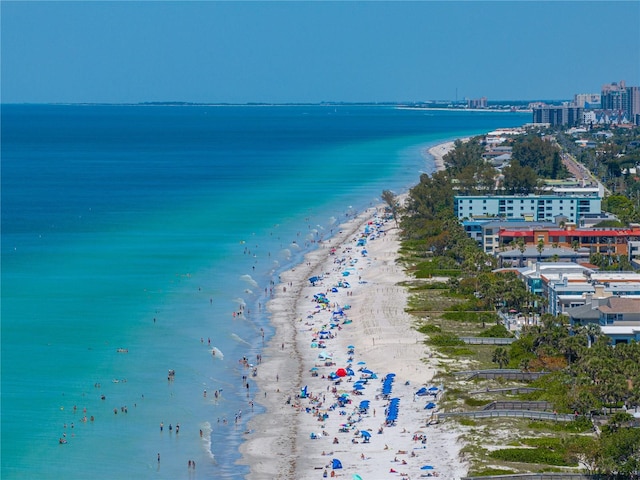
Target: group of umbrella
{"points": [[337, 376]]}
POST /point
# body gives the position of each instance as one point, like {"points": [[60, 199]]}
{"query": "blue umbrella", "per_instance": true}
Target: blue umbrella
{"points": [[426, 467], [365, 434], [361, 363]]}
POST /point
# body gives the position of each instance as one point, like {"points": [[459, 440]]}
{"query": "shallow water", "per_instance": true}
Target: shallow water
{"points": [[145, 229]]}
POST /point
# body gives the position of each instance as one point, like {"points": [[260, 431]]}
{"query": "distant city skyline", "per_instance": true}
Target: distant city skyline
{"points": [[312, 52]]}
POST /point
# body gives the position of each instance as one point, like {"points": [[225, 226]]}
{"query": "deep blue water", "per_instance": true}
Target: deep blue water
{"points": [[113, 216]]}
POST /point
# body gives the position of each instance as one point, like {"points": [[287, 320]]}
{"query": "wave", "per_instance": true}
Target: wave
{"points": [[285, 253], [240, 302], [216, 352], [206, 430], [238, 339], [249, 280]]}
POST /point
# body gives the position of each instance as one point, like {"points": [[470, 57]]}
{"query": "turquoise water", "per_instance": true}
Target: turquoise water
{"points": [[113, 216]]}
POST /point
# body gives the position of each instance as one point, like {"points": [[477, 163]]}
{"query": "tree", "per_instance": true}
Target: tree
{"points": [[518, 179], [463, 155], [500, 356], [593, 331], [540, 248], [620, 447], [622, 207], [522, 248], [541, 155], [391, 200]]}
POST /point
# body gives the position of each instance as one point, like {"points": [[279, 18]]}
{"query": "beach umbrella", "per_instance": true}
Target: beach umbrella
{"points": [[336, 464], [341, 372], [361, 363], [350, 346], [426, 467], [358, 386], [356, 477]]}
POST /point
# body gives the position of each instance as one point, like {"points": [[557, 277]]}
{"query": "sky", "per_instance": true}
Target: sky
{"points": [[314, 51]]}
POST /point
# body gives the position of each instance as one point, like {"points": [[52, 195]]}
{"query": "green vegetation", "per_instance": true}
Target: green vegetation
{"points": [[533, 455], [496, 331], [492, 471], [616, 151], [445, 340], [586, 374], [428, 329], [500, 356], [540, 155]]}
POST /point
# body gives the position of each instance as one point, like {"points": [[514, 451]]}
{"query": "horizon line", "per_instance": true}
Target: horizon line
{"points": [[321, 103]]}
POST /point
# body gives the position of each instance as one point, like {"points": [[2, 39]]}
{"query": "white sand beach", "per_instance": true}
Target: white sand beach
{"points": [[373, 333], [439, 151]]}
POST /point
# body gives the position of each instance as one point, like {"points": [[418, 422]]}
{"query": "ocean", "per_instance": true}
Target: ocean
{"points": [[142, 239]]}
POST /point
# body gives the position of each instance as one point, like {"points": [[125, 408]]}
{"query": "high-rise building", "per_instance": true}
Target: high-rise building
{"points": [[634, 104], [558, 114], [477, 102], [587, 100], [623, 100]]}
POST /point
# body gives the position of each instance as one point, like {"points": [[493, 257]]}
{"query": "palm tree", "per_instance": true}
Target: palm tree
{"points": [[500, 356], [593, 331], [522, 248], [540, 248]]}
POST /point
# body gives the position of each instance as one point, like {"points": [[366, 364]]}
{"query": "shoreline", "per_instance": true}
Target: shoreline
{"points": [[278, 442], [439, 151]]}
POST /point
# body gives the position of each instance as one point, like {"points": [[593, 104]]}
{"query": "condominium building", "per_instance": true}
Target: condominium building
{"points": [[605, 241], [623, 100], [587, 100], [534, 207], [558, 114]]}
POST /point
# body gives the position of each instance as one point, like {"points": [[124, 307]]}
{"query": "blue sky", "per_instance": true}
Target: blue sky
{"points": [[279, 52]]}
